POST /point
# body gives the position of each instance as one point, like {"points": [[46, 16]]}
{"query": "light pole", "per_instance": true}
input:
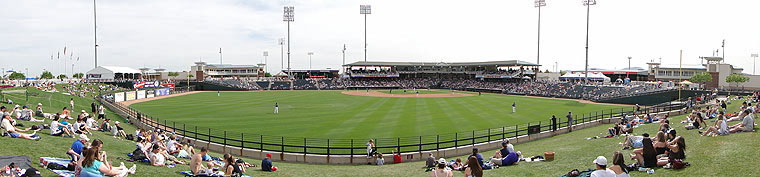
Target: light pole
{"points": [[723, 45], [310, 54], [629, 62], [539, 4], [287, 16], [344, 54], [754, 55], [588, 4], [282, 56], [365, 10], [266, 66], [220, 56], [95, 29]]}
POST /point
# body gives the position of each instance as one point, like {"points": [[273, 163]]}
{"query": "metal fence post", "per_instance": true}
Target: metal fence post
{"points": [[352, 148], [456, 139], [261, 142], [209, 135], [398, 144], [503, 132], [196, 133], [420, 149], [437, 141], [304, 145], [516, 131], [328, 146], [282, 144], [489, 134], [242, 144], [473, 138]]}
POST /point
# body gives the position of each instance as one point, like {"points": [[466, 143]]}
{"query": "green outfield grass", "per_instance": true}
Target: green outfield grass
{"points": [[410, 91], [331, 114], [731, 155]]}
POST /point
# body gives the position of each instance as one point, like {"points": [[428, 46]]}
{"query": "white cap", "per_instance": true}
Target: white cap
{"points": [[441, 161], [117, 122], [83, 110], [39, 104], [83, 137], [601, 160], [17, 106]]}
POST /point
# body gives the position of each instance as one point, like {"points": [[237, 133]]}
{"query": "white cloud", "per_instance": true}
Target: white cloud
{"points": [[174, 33]]}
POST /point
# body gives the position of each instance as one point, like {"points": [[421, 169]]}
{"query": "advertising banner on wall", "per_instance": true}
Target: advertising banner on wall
{"points": [[146, 84], [150, 94], [131, 95], [118, 97], [140, 94], [162, 92], [170, 85]]}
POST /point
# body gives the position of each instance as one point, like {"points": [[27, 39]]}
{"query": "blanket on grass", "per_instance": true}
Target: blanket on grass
{"points": [[60, 161]]}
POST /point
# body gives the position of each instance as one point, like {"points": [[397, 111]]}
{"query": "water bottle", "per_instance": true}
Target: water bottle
{"points": [[650, 171]]}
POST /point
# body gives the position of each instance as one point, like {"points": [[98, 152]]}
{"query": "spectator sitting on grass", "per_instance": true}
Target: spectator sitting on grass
{"points": [[675, 150], [58, 129], [477, 156], [601, 168], [156, 158], [441, 171], [28, 115], [747, 124], [196, 163], [118, 132], [473, 168], [266, 164], [720, 128], [457, 165], [647, 156], [231, 167], [172, 146], [13, 132], [379, 160], [93, 166], [510, 159], [430, 161], [396, 157], [618, 165], [39, 112], [105, 126], [75, 151]]}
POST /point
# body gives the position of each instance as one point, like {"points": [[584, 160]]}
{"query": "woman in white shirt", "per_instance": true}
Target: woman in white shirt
{"points": [[156, 159], [441, 171], [618, 165]]}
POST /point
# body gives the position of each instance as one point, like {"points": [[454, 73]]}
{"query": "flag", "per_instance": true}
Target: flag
{"points": [[220, 50], [51, 56], [344, 47], [59, 55], [64, 50], [77, 58]]}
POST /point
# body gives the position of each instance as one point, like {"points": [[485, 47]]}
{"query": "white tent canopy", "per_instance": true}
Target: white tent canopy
{"points": [[580, 76], [113, 72]]}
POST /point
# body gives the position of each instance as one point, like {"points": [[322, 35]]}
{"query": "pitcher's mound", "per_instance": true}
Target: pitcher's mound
{"points": [[379, 94]]}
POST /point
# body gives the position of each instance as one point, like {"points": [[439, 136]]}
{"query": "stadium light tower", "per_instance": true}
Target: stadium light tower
{"points": [[287, 16], [310, 54], [588, 4], [365, 10], [95, 30], [266, 66], [629, 62], [282, 56], [539, 4], [754, 55]]}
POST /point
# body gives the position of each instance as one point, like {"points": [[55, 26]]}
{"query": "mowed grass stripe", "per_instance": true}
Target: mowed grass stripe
{"points": [[330, 114]]}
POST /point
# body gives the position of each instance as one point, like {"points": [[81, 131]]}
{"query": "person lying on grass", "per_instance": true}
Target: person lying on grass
{"points": [[13, 132], [739, 117], [633, 142], [510, 159]]}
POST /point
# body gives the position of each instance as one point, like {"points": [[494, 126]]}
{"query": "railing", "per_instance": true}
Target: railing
{"points": [[329, 146]]}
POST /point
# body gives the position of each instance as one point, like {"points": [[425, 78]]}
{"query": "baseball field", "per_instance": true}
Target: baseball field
{"points": [[373, 114]]}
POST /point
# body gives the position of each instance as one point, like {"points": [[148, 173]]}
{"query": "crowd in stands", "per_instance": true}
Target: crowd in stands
{"points": [[234, 83]]}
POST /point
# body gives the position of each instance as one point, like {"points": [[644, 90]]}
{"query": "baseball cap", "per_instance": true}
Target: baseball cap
{"points": [[117, 122], [441, 161], [269, 155], [39, 104], [601, 160], [83, 110], [83, 137]]}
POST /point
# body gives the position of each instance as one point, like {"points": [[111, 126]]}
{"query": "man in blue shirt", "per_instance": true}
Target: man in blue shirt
{"points": [[75, 151], [477, 155], [266, 164]]}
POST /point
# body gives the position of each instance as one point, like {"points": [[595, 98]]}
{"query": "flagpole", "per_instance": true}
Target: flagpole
{"points": [[680, 73], [95, 29]]}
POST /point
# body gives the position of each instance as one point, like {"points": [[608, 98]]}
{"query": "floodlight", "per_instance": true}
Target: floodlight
{"points": [[288, 14], [589, 2], [365, 9], [539, 3]]}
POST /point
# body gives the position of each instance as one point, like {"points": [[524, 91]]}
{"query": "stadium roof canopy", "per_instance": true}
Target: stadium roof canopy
{"points": [[486, 63], [113, 72]]}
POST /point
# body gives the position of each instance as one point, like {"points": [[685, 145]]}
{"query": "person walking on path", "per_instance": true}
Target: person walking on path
{"points": [[570, 121]]}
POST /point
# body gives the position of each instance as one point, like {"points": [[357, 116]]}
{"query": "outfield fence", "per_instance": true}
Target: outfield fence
{"points": [[358, 147]]}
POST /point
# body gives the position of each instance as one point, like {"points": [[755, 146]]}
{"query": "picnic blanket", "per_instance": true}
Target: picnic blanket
{"points": [[190, 173], [130, 156], [23, 162], [586, 173], [60, 161]]}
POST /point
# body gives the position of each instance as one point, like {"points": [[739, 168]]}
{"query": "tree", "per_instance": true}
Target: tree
{"points": [[702, 77], [62, 76], [173, 74], [736, 78], [16, 76], [267, 75], [78, 75], [46, 75]]}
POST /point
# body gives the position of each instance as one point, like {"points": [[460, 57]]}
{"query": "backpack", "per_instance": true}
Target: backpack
{"points": [[678, 164], [138, 155], [130, 137]]}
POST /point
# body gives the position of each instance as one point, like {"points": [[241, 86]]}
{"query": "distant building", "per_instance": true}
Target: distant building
{"points": [[202, 71], [107, 73], [713, 65]]}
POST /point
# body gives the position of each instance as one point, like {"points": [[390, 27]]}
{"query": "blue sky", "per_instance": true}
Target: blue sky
{"points": [[174, 33]]}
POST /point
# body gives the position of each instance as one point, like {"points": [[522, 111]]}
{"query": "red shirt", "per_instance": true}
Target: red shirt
{"points": [[396, 158]]}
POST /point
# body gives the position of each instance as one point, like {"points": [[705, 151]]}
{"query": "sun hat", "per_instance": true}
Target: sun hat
{"points": [[442, 161], [83, 137]]}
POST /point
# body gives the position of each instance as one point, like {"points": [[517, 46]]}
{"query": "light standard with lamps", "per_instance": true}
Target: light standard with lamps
{"points": [[588, 4], [310, 54], [754, 55], [539, 4], [629, 62], [365, 10], [287, 16], [266, 66], [282, 56]]}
